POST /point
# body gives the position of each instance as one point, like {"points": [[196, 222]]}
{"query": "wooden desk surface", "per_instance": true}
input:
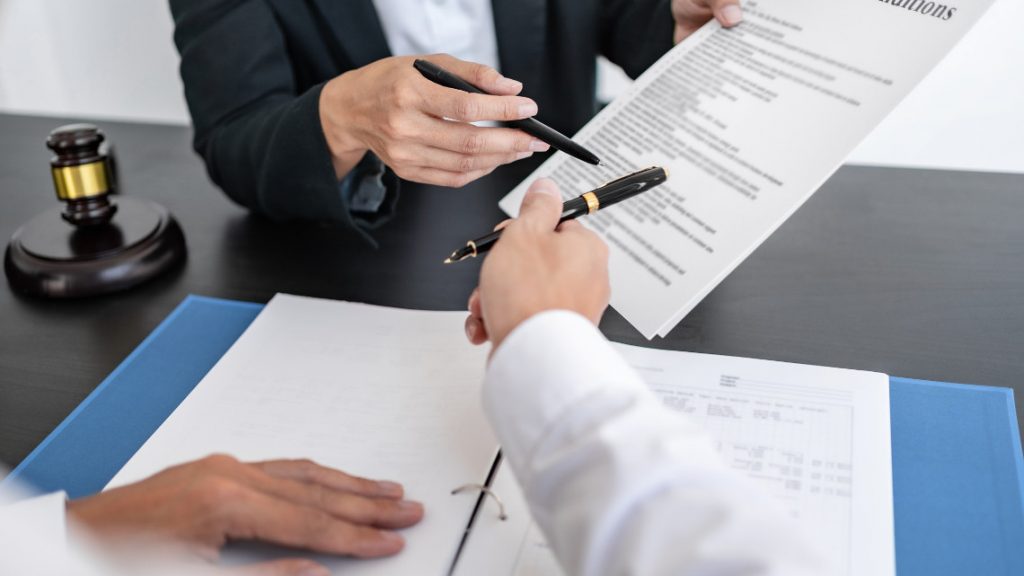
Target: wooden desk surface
{"points": [[910, 272]]}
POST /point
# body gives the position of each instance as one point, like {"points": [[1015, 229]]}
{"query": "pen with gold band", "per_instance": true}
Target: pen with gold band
{"points": [[587, 203]]}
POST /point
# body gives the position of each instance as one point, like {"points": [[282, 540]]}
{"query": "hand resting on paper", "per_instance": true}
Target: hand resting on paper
{"points": [[202, 505], [538, 265]]}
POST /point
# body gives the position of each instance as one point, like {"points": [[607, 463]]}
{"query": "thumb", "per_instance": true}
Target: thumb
{"points": [[286, 567], [542, 206], [727, 12]]}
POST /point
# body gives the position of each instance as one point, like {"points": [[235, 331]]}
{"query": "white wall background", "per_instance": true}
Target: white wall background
{"points": [[116, 59], [91, 58]]}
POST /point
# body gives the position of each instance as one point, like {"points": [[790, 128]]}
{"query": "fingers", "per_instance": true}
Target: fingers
{"points": [[465, 107], [377, 512], [441, 177], [313, 473], [500, 103], [727, 12], [259, 516], [475, 140], [474, 303], [542, 207], [453, 154], [476, 330], [484, 77], [286, 567], [309, 484], [692, 14], [476, 333], [448, 160]]}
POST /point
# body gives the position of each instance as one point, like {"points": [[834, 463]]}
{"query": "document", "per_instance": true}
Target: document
{"points": [[817, 439], [377, 392], [750, 121]]}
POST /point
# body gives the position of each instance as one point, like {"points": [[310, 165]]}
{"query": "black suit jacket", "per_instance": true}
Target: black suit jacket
{"points": [[253, 71]]}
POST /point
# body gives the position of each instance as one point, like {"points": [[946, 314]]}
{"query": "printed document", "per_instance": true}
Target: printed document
{"points": [[383, 393], [750, 121], [394, 394], [816, 439]]}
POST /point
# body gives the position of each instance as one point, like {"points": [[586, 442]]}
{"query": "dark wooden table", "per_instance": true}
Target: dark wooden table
{"points": [[911, 272]]}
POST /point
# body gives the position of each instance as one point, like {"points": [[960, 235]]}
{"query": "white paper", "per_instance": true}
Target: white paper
{"points": [[818, 439], [749, 121], [377, 392]]}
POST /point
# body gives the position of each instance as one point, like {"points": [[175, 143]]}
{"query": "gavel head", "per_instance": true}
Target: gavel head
{"points": [[82, 174]]}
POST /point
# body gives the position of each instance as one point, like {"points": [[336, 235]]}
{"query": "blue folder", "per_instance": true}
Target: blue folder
{"points": [[958, 470]]}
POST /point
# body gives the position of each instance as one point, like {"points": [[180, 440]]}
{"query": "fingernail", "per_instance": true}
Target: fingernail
{"points": [[509, 84], [522, 155], [470, 330], [732, 15], [539, 146], [392, 539], [384, 542], [527, 109], [410, 505], [390, 487]]}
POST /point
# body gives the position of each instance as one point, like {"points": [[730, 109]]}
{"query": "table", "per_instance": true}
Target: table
{"points": [[910, 272]]}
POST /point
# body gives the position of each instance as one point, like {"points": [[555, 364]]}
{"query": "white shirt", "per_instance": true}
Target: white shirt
{"points": [[618, 483], [33, 537], [462, 28]]}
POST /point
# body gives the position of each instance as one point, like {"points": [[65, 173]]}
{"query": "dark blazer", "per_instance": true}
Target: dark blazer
{"points": [[253, 71]]}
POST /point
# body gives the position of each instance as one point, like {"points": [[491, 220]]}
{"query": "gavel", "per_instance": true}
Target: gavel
{"points": [[96, 242]]}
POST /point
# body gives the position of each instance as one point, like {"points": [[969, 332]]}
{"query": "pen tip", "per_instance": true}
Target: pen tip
{"points": [[447, 260]]}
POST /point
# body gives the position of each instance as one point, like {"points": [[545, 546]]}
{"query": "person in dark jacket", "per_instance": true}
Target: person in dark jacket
{"points": [[311, 109]]}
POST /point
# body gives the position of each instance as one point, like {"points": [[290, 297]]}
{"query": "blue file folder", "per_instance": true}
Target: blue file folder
{"points": [[958, 470]]}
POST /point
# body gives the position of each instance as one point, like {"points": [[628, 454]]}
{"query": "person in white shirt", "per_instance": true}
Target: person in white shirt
{"points": [[617, 483]]}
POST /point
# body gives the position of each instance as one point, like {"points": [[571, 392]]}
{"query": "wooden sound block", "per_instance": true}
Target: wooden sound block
{"points": [[51, 257]]}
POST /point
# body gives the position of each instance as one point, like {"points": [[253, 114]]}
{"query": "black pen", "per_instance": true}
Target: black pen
{"points": [[531, 126], [587, 203]]}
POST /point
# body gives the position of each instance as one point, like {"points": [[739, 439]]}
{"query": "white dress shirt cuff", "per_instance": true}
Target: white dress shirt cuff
{"points": [[549, 363], [42, 517]]}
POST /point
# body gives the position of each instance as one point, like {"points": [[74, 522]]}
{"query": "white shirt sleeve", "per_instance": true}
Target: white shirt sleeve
{"points": [[43, 515], [618, 483], [33, 534]]}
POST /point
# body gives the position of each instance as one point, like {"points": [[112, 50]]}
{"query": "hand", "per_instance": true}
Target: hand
{"points": [[536, 267], [296, 503], [390, 108], [692, 14]]}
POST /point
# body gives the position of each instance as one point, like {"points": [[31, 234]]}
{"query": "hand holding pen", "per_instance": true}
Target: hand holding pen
{"points": [[532, 126], [587, 203], [421, 130], [539, 265]]}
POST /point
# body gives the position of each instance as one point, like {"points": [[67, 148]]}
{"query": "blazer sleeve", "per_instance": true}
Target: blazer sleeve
{"points": [[635, 33], [261, 138]]}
